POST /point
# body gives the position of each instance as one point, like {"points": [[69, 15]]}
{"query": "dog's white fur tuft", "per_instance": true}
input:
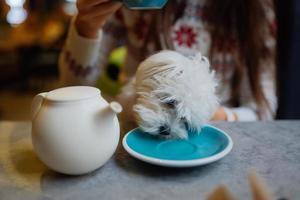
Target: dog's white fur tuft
{"points": [[174, 94]]}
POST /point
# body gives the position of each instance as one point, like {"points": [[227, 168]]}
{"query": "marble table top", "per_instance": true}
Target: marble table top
{"points": [[271, 148]]}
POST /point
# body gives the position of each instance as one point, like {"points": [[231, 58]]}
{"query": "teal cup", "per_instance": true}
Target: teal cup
{"points": [[144, 4]]}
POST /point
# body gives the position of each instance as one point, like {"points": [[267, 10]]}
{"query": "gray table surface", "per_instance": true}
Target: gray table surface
{"points": [[271, 148]]}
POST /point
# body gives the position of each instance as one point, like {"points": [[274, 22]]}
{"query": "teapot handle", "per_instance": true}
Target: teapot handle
{"points": [[36, 104]]}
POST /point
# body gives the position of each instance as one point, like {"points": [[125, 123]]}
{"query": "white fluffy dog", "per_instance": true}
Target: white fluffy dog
{"points": [[171, 95]]}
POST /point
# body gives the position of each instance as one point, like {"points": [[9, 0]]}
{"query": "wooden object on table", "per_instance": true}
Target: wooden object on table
{"points": [[258, 188]]}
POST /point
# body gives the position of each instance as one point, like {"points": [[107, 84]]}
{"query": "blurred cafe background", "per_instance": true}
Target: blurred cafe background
{"points": [[32, 33]]}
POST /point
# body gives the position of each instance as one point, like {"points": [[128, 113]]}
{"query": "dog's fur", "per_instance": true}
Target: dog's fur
{"points": [[170, 95]]}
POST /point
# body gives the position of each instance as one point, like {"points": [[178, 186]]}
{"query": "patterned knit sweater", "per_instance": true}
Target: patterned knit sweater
{"points": [[82, 60]]}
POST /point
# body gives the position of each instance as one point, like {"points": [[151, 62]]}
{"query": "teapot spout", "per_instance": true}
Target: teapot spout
{"points": [[109, 112], [115, 107]]}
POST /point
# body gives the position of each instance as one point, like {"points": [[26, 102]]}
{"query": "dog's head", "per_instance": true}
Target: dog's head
{"points": [[175, 94]]}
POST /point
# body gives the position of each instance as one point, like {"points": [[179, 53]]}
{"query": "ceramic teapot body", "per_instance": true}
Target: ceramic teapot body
{"points": [[74, 130]]}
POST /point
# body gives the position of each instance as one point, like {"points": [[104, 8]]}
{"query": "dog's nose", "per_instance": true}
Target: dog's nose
{"points": [[164, 130], [171, 104]]}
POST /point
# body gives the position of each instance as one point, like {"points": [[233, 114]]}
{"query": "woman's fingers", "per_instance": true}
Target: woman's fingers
{"points": [[87, 4], [101, 9], [92, 15], [101, 18], [105, 9]]}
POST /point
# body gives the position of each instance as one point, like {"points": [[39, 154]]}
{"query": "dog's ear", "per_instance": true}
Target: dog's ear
{"points": [[220, 193], [258, 187]]}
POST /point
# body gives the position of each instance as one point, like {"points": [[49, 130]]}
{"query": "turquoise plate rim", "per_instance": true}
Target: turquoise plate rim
{"points": [[180, 163], [131, 6]]}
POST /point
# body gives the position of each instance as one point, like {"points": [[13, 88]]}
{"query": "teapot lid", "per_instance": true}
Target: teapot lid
{"points": [[73, 93]]}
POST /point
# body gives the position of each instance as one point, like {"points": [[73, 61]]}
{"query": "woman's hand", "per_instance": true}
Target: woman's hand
{"points": [[220, 115], [92, 15]]}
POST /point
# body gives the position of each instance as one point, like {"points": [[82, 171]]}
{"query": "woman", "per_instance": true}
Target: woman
{"points": [[237, 35]]}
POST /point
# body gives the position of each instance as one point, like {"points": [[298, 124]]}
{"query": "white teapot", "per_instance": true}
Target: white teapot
{"points": [[74, 130]]}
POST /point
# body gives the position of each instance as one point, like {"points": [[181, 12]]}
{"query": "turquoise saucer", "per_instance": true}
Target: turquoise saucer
{"points": [[208, 146]]}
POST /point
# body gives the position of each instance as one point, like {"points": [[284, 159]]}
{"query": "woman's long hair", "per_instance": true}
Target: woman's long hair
{"points": [[244, 20]]}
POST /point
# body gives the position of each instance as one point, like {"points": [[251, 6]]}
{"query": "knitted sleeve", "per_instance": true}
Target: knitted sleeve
{"points": [[82, 60]]}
